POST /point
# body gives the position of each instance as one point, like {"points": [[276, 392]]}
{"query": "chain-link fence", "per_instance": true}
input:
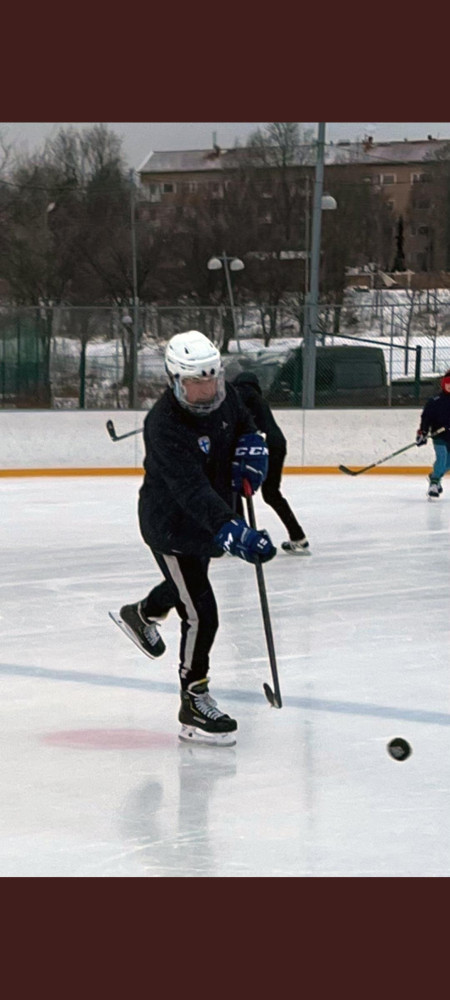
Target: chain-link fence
{"points": [[377, 353]]}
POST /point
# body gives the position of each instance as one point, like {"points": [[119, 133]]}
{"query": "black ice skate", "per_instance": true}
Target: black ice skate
{"points": [[201, 719], [298, 547], [434, 490], [141, 630]]}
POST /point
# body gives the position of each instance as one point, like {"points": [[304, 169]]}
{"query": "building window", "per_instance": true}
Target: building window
{"points": [[423, 230], [168, 188], [423, 178], [152, 192], [388, 179], [193, 186], [263, 189]]}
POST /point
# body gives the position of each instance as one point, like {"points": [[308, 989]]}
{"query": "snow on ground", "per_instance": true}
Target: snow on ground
{"points": [[392, 318]]}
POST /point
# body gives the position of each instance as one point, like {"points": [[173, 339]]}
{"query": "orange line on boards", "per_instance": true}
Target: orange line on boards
{"points": [[71, 472], [329, 470], [290, 470]]}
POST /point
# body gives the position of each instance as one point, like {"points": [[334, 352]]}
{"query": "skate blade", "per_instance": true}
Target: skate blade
{"points": [[297, 552], [130, 635], [190, 734]]}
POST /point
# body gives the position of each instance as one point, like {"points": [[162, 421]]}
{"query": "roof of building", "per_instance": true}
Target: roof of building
{"points": [[414, 151], [367, 152], [187, 160]]}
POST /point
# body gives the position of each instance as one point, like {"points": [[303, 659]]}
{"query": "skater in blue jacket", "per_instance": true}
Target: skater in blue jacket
{"points": [[436, 414]]}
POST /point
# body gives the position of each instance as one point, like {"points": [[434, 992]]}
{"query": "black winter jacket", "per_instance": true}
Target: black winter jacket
{"points": [[249, 389], [186, 496], [435, 414]]}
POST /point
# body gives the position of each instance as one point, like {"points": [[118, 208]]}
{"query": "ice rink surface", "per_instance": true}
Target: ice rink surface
{"points": [[94, 780]]}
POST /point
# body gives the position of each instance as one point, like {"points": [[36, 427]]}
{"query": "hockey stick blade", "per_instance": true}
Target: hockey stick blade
{"points": [[343, 468], [119, 437], [271, 697], [111, 431]]}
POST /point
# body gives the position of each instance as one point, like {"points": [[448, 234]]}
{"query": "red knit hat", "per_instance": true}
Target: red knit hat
{"points": [[445, 382]]}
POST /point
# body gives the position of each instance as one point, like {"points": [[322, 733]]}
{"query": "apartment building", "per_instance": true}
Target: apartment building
{"points": [[405, 172]]}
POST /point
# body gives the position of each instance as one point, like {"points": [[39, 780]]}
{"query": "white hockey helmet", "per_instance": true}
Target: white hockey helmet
{"points": [[192, 355]]}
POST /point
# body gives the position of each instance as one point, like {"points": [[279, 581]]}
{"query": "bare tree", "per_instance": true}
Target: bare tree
{"points": [[276, 153], [360, 231]]}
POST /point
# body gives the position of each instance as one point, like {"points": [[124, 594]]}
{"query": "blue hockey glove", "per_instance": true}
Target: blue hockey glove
{"points": [[236, 538], [251, 461], [421, 437]]}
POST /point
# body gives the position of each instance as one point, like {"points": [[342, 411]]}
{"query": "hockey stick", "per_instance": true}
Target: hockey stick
{"points": [[118, 437], [343, 468], [273, 697]]}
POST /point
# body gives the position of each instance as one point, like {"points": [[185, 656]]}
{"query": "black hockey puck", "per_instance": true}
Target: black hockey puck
{"points": [[399, 749]]}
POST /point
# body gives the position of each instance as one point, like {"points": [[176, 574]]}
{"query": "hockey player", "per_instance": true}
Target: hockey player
{"points": [[249, 389], [201, 444], [436, 414]]}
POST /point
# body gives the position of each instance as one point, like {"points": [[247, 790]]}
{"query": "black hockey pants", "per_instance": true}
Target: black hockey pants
{"points": [[186, 587]]}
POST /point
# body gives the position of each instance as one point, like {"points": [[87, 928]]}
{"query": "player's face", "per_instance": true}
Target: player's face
{"points": [[200, 390]]}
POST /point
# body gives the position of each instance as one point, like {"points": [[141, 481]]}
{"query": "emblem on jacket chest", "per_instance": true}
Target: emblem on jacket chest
{"points": [[205, 444]]}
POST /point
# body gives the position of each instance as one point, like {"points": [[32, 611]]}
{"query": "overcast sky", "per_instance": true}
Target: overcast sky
{"points": [[140, 138]]}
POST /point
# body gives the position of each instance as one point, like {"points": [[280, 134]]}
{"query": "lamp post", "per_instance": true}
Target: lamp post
{"points": [[229, 264], [133, 394], [320, 202], [327, 202]]}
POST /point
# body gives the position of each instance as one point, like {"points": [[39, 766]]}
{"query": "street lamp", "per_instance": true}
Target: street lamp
{"points": [[327, 202], [229, 264], [312, 300]]}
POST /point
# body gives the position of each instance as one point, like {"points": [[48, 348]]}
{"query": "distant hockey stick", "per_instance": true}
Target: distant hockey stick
{"points": [[119, 437], [273, 697], [343, 468]]}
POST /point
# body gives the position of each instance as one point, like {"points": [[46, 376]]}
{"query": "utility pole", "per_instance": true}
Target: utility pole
{"points": [[307, 227], [309, 344], [133, 395]]}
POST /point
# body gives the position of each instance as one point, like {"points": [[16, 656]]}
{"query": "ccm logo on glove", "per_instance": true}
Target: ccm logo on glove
{"points": [[251, 460], [253, 450]]}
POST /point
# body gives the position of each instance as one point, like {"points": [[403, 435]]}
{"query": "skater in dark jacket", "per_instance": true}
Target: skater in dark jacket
{"points": [[436, 414], [249, 389], [200, 446]]}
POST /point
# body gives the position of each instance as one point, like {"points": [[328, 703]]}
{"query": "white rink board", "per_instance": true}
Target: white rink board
{"points": [[37, 439]]}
